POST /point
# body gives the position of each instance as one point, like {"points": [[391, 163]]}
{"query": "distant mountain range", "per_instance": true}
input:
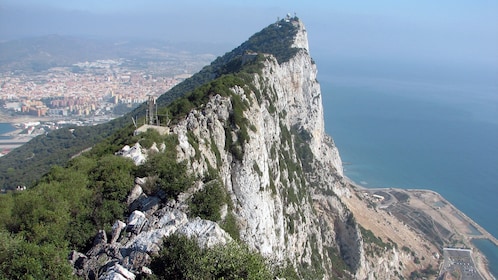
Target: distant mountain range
{"points": [[235, 179], [41, 53]]}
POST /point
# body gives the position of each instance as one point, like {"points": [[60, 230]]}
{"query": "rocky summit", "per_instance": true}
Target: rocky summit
{"points": [[283, 175], [240, 165]]}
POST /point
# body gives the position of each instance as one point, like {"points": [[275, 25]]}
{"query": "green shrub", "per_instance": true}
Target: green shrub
{"points": [[181, 258], [148, 138], [163, 168], [112, 181], [25, 260], [207, 202], [230, 226], [172, 176]]}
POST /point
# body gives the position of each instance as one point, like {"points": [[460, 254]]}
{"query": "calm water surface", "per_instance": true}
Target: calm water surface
{"points": [[437, 136]]}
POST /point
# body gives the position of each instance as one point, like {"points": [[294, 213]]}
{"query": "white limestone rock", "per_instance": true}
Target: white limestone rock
{"points": [[150, 241], [140, 181], [116, 230], [135, 153], [207, 233], [117, 272], [136, 221], [134, 194]]}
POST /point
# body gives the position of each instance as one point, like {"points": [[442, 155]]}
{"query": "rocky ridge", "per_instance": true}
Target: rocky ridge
{"points": [[281, 171]]}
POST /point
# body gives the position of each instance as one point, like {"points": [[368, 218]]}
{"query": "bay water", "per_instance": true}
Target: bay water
{"points": [[423, 134], [5, 128], [405, 133]]}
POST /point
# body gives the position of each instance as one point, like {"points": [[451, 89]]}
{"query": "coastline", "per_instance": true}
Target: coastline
{"points": [[4, 118], [462, 229], [13, 139], [427, 201]]}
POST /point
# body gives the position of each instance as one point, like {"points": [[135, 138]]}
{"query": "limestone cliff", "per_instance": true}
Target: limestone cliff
{"points": [[266, 142]]}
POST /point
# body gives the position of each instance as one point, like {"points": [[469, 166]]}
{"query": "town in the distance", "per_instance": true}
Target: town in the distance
{"points": [[85, 92]]}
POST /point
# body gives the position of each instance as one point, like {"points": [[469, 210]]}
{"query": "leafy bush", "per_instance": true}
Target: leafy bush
{"points": [[182, 258], [112, 181], [172, 177], [168, 174], [26, 260], [207, 202], [230, 226], [149, 137]]}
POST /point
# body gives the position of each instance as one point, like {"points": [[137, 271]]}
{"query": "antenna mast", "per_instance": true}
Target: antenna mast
{"points": [[152, 111]]}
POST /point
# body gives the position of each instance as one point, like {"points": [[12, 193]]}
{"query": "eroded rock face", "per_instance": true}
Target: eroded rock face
{"points": [[129, 252], [287, 160], [285, 185]]}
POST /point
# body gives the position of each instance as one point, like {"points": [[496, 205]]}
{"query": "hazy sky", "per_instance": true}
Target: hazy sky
{"points": [[443, 31]]}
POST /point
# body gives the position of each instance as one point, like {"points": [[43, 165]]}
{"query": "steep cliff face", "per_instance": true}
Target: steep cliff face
{"points": [[274, 184], [266, 142], [286, 187]]}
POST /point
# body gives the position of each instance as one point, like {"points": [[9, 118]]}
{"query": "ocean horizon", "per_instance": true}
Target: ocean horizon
{"points": [[419, 134]]}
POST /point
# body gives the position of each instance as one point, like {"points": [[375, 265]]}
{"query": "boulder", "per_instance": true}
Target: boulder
{"points": [[135, 153], [100, 238], [148, 203], [140, 181], [77, 259], [117, 272], [136, 221], [150, 241], [207, 233], [134, 194], [137, 260], [116, 230]]}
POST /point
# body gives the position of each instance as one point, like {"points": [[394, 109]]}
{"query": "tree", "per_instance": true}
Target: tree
{"points": [[20, 259], [112, 180], [41, 215]]}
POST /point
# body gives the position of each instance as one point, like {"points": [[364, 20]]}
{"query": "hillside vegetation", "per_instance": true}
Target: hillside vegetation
{"points": [[70, 200], [26, 165]]}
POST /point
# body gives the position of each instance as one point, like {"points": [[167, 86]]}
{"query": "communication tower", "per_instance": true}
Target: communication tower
{"points": [[152, 110]]}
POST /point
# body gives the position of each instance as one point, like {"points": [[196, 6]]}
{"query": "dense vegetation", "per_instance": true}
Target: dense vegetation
{"points": [[26, 165], [276, 39], [182, 258], [69, 205], [64, 207], [206, 202]]}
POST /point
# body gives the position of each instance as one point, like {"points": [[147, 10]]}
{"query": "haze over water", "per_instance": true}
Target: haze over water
{"points": [[414, 133], [410, 88]]}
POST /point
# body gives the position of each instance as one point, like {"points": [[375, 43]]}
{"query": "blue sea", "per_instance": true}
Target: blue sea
{"points": [[5, 128], [405, 132]]}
